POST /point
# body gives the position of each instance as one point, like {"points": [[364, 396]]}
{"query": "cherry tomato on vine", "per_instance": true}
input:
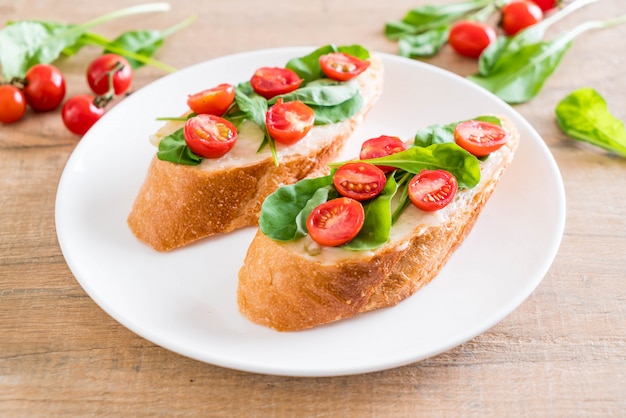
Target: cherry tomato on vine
{"points": [[44, 87], [12, 103], [547, 5], [336, 222], [480, 138], [99, 70], [381, 146], [359, 181], [273, 81], [213, 101], [518, 15], [289, 122], [209, 136], [430, 190], [470, 38], [342, 67], [79, 113]]}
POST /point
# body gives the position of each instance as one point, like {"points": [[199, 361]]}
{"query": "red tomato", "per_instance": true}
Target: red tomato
{"points": [[273, 81], [336, 222], [342, 67], [470, 38], [359, 181], [79, 113], [381, 147], [547, 5], [44, 87], [109, 65], [12, 103], [289, 122], [214, 101], [480, 138], [209, 136], [431, 190], [518, 15]]}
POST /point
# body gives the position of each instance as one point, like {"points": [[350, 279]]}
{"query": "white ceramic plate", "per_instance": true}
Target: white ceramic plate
{"points": [[185, 300]]}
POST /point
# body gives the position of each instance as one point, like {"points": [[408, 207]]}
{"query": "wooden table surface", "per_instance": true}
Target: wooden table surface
{"points": [[561, 353]]}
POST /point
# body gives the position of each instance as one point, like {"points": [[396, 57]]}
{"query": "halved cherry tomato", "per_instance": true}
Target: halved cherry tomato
{"points": [[381, 146], [12, 103], [336, 222], [44, 87], [273, 81], [342, 67], [209, 136], [480, 138], [431, 190], [470, 38], [359, 180], [518, 15], [289, 122], [213, 101]]}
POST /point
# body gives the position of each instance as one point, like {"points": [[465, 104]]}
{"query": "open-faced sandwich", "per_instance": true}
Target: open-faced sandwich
{"points": [[374, 230], [236, 144]]}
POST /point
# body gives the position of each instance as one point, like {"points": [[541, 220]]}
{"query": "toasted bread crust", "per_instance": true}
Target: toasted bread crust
{"points": [[281, 288], [179, 204]]}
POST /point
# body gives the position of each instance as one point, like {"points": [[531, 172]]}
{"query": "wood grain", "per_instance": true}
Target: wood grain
{"points": [[562, 353]]}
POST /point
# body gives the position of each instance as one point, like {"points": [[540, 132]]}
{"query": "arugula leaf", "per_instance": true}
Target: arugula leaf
{"points": [[441, 134], [584, 115], [280, 209], [26, 43], [377, 224], [449, 156], [173, 148]]}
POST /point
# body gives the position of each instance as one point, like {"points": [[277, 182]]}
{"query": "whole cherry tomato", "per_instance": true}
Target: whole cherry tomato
{"points": [[273, 81], [79, 113], [518, 15], [359, 181], [289, 122], [209, 136], [547, 5], [470, 38], [44, 87], [381, 146], [430, 190], [12, 103], [213, 101], [480, 138], [109, 65], [342, 67], [336, 222]]}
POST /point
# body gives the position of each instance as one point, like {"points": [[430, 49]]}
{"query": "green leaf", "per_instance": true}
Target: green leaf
{"points": [[308, 66], [377, 224], [144, 42], [449, 156], [584, 115], [173, 148], [323, 92], [424, 44], [444, 133], [320, 196], [281, 208], [325, 115]]}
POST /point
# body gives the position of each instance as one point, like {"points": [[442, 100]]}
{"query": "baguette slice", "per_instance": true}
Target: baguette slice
{"points": [[296, 285], [179, 204]]}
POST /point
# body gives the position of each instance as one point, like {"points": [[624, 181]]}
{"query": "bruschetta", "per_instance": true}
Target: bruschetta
{"points": [[237, 144], [375, 230]]}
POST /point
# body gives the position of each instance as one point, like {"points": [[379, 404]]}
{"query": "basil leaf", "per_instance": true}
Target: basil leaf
{"points": [[325, 115], [280, 209], [441, 134], [173, 148], [449, 156], [377, 224], [424, 44], [584, 115], [323, 92]]}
